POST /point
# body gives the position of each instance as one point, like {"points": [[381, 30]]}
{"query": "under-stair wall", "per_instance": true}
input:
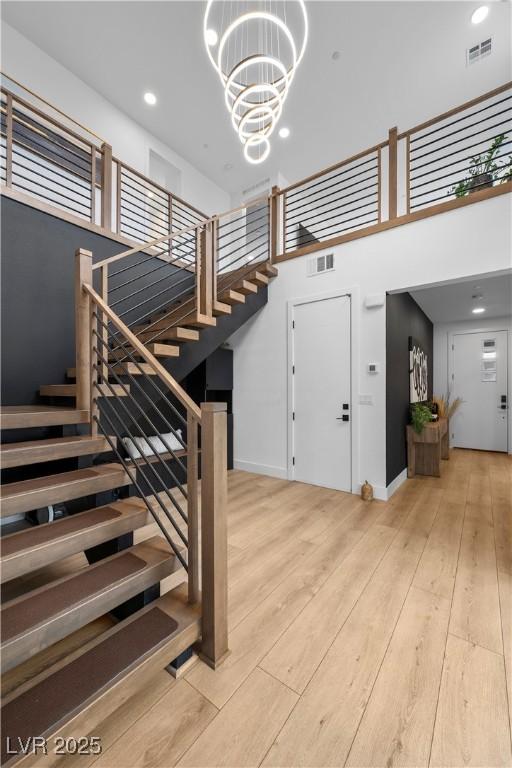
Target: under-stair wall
{"points": [[38, 302]]}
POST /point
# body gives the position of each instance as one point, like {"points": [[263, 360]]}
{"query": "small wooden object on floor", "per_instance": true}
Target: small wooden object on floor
{"points": [[425, 450]]}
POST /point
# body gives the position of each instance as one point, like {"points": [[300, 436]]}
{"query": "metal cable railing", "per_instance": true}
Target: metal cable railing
{"points": [[148, 429], [66, 167], [44, 159], [460, 153], [339, 200]]}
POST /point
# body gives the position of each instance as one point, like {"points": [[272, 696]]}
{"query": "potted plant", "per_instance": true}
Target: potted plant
{"points": [[420, 415], [483, 170]]}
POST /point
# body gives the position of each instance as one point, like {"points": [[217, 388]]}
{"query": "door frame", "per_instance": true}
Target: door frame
{"points": [[353, 293], [451, 371]]}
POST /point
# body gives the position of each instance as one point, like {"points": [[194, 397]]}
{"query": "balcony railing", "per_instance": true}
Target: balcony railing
{"points": [[457, 158]]}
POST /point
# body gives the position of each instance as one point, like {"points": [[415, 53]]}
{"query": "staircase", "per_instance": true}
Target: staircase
{"points": [[133, 506], [40, 617]]}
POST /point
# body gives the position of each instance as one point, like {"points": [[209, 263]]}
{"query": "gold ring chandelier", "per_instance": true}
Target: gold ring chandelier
{"points": [[251, 46]]}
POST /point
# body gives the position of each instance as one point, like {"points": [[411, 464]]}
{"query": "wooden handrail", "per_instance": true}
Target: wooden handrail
{"points": [[150, 182], [150, 244], [48, 104], [334, 167], [179, 233], [146, 355], [277, 200], [455, 110]]}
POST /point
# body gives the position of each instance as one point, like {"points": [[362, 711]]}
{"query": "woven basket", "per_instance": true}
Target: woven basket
{"points": [[366, 491]]}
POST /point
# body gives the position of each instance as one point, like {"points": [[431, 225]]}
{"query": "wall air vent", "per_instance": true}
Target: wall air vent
{"points": [[262, 187], [317, 265], [477, 52]]}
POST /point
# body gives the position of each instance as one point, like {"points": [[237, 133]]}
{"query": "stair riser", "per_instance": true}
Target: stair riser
{"points": [[25, 646], [57, 494], [52, 551]]}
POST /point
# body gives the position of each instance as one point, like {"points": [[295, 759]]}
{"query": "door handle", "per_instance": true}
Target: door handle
{"points": [[345, 417]]}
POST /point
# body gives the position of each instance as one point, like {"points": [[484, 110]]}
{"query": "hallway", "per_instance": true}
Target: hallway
{"points": [[361, 634]]}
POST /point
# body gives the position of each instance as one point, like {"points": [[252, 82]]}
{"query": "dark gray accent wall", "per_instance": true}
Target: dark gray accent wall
{"points": [[38, 301], [37, 297], [404, 318]]}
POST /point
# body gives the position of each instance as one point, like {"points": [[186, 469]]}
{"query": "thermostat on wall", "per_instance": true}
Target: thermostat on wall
{"points": [[373, 368]]}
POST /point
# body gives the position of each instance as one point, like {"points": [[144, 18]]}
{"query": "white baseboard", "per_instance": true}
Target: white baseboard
{"points": [[396, 483], [261, 469]]}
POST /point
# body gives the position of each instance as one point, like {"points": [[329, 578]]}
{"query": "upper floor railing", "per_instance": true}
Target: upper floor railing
{"points": [[51, 158], [459, 157]]}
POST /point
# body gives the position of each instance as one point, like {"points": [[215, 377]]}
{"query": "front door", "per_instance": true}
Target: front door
{"points": [[479, 377], [321, 393]]}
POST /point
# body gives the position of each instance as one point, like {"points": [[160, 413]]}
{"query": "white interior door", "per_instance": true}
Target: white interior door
{"points": [[321, 396], [479, 376]]}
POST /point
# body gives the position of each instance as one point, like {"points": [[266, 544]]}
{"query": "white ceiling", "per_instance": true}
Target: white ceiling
{"points": [[399, 63], [454, 302]]}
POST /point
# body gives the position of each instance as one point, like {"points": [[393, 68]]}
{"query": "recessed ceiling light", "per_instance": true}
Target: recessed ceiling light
{"points": [[211, 37], [478, 310], [480, 14], [150, 98], [284, 132]]}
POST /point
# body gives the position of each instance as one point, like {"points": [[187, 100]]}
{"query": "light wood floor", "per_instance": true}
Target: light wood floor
{"points": [[361, 634]]}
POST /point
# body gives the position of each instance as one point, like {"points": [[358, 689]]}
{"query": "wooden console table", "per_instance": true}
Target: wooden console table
{"points": [[425, 450]]}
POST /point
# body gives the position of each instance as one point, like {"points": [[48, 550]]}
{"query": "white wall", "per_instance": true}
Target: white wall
{"points": [[442, 336], [469, 241], [131, 143]]}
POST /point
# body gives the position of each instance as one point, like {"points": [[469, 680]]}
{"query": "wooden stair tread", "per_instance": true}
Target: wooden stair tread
{"points": [[219, 308], [24, 416], [36, 547], [259, 278], [155, 458], [37, 492], [37, 451], [119, 660], [231, 297], [246, 287], [40, 618], [183, 334], [69, 390], [199, 322], [122, 369], [163, 350], [264, 267]]}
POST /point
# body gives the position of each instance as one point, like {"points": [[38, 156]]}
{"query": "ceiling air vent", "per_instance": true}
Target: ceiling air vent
{"points": [[319, 264], [477, 52]]}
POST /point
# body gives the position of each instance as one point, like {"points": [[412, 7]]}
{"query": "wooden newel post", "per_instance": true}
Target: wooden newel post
{"points": [[214, 543], [83, 276], [393, 174], [205, 264], [274, 223], [106, 186], [192, 509]]}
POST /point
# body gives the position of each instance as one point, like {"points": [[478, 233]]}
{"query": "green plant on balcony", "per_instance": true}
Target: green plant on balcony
{"points": [[484, 170]]}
